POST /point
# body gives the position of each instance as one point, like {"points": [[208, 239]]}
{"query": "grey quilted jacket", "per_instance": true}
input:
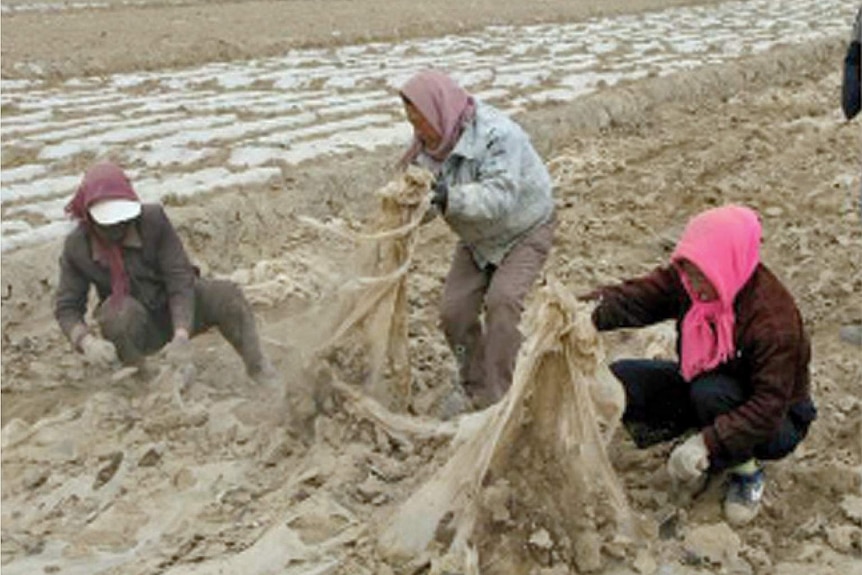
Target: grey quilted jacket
{"points": [[499, 188]]}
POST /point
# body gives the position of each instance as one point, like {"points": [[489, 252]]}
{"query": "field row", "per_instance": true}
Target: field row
{"points": [[225, 125]]}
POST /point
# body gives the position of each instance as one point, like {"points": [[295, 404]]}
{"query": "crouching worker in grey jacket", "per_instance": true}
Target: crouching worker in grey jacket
{"points": [[149, 292], [495, 193]]}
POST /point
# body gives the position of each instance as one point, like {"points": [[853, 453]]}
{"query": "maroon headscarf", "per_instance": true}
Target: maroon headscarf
{"points": [[444, 104], [104, 181]]}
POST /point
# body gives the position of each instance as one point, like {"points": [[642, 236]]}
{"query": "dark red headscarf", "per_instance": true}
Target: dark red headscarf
{"points": [[104, 181]]}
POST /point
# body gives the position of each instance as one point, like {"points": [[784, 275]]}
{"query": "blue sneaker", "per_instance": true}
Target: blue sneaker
{"points": [[744, 494]]}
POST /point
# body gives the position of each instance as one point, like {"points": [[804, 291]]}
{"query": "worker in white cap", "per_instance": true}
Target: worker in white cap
{"points": [[150, 294]]}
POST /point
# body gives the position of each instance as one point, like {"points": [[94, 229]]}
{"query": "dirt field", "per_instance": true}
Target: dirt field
{"points": [[212, 475], [151, 34]]}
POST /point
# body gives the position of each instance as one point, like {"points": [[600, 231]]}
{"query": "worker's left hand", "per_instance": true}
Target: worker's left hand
{"points": [[593, 296], [689, 460], [98, 351], [178, 352], [440, 194]]}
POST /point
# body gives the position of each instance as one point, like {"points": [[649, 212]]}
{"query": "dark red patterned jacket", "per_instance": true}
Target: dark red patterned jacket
{"points": [[772, 348]]}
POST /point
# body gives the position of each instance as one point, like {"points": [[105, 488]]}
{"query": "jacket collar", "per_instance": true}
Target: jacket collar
{"points": [[132, 239], [468, 145]]}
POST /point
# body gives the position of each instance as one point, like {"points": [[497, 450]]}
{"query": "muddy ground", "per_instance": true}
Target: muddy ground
{"points": [[210, 476]]}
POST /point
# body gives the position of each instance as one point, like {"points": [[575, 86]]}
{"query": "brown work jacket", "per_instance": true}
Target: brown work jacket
{"points": [[161, 276], [772, 348]]}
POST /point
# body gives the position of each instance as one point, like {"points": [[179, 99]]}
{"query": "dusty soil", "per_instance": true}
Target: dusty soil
{"points": [[210, 475]]}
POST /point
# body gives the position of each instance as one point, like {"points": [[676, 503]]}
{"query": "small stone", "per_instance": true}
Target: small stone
{"points": [[645, 563], [810, 553], [845, 538], [150, 458], [758, 558], [35, 478], [759, 537], [588, 552], [43, 370], [380, 499], [107, 472], [559, 569], [852, 507], [541, 539], [370, 489], [812, 527], [716, 543], [184, 479]]}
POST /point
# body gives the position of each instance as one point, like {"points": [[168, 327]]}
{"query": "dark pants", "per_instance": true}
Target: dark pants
{"points": [[660, 405], [137, 332], [486, 352]]}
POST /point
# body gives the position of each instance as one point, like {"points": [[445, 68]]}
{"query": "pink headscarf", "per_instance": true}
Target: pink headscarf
{"points": [[104, 181], [444, 104], [724, 244]]}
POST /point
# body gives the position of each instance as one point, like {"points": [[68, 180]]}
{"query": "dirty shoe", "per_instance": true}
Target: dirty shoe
{"points": [[851, 334], [267, 376], [744, 495]]}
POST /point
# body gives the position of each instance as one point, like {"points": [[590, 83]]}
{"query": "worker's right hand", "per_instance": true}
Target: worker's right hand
{"points": [[689, 460], [98, 351], [178, 352], [593, 296], [440, 194]]}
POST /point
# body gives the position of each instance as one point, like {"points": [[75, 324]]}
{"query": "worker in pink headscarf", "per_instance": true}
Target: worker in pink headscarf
{"points": [[150, 295], [494, 192], [742, 380]]}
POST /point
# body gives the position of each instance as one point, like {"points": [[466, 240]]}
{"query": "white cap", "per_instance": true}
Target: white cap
{"points": [[113, 211]]}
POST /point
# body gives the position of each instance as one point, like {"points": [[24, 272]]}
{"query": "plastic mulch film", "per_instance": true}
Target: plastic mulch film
{"points": [[361, 327], [539, 453]]}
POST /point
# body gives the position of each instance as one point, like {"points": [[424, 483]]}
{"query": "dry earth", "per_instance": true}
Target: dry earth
{"points": [[104, 477]]}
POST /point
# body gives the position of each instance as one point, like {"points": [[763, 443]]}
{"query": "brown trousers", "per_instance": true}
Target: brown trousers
{"points": [[137, 332], [486, 351]]}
